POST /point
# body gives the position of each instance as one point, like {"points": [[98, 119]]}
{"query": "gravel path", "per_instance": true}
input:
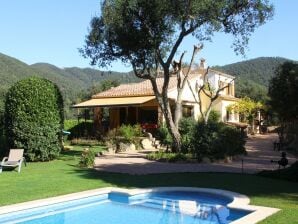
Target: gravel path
{"points": [[259, 148]]}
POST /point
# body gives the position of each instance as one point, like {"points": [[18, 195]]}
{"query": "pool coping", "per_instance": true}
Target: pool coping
{"points": [[240, 201]]}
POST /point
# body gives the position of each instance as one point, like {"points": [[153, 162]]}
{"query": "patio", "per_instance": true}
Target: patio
{"points": [[259, 149]]}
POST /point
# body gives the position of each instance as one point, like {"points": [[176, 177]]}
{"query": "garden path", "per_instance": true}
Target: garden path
{"points": [[259, 148]]}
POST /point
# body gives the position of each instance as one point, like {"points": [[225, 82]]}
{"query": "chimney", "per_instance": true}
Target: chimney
{"points": [[202, 63]]}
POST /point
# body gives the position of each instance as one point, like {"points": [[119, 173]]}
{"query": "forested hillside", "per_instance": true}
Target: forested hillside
{"points": [[73, 82], [252, 76]]}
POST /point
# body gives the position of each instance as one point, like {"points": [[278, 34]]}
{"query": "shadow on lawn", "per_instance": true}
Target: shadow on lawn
{"points": [[250, 185]]}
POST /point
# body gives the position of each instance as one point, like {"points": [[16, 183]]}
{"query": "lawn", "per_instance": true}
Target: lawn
{"points": [[47, 179]]}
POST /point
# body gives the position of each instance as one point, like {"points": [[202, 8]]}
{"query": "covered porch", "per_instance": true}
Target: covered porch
{"points": [[110, 113]]}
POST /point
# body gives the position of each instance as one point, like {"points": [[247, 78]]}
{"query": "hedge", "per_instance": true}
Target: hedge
{"points": [[34, 118]]}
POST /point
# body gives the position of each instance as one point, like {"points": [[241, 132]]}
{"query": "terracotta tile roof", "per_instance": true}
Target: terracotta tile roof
{"points": [[221, 73], [137, 89], [144, 88]]}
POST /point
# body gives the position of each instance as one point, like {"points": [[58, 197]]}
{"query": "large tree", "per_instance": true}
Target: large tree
{"points": [[283, 91], [147, 34]]}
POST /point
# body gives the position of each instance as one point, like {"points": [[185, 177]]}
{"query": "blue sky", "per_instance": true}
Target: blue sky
{"points": [[52, 31]]}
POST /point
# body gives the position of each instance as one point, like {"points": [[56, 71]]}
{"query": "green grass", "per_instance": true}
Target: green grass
{"points": [[47, 179]]}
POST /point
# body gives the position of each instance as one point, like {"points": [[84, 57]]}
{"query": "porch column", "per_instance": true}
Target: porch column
{"points": [[97, 113], [259, 124], [137, 115], [114, 118], [126, 115]]}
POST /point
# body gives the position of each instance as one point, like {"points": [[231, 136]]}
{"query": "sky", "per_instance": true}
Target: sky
{"points": [[51, 31]]}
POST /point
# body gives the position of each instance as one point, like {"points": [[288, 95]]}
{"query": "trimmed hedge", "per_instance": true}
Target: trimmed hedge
{"points": [[34, 118]]}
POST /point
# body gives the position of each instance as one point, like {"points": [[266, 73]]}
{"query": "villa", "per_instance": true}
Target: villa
{"points": [[135, 102]]}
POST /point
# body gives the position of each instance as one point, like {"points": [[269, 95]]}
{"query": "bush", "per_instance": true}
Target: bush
{"points": [[164, 136], [186, 128], [34, 118], [125, 134], [85, 142], [129, 133], [69, 124], [169, 157], [80, 130], [216, 141], [229, 142], [202, 139], [87, 158], [214, 116]]}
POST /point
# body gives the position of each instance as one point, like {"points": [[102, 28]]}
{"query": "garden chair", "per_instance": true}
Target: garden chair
{"points": [[14, 159]]}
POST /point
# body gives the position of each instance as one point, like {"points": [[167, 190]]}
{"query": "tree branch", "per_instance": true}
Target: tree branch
{"points": [[140, 73]]}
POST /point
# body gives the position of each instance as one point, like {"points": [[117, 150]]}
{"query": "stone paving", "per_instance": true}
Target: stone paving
{"points": [[259, 148]]}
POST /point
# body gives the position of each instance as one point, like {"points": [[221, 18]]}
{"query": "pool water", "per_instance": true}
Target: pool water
{"points": [[172, 207]]}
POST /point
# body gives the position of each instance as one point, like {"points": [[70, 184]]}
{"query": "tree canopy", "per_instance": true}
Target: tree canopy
{"points": [[147, 34], [137, 31], [283, 91]]}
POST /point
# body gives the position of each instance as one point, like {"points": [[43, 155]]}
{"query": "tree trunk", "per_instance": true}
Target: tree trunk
{"points": [[207, 112], [178, 108], [173, 129]]}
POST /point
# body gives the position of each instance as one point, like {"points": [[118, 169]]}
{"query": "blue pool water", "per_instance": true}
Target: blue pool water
{"points": [[172, 207]]}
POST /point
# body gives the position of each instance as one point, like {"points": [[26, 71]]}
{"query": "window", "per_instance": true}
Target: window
{"points": [[187, 111], [228, 116], [229, 89]]}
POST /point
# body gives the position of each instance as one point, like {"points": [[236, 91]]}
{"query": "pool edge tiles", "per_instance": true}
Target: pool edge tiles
{"points": [[239, 202]]}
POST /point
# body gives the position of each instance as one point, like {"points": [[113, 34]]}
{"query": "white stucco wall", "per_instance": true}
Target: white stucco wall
{"points": [[186, 93], [233, 117], [215, 78], [220, 105]]}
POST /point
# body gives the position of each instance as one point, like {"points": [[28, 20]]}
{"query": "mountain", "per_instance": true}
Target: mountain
{"points": [[252, 76], [73, 82]]}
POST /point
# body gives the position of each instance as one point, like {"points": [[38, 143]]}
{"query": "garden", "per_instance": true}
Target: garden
{"points": [[58, 164]]}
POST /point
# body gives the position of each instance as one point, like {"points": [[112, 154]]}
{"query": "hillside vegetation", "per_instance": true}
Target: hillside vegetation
{"points": [[73, 82], [252, 77]]}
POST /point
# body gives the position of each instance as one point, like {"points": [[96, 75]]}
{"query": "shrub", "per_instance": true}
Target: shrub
{"points": [[186, 128], [229, 142], [125, 134], [216, 141], [85, 142], [69, 124], [111, 136], [80, 130], [87, 158], [34, 118], [129, 132], [164, 136], [202, 139], [169, 157], [214, 116]]}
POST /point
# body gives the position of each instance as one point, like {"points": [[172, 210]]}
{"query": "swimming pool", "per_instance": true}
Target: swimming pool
{"points": [[118, 206]]}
